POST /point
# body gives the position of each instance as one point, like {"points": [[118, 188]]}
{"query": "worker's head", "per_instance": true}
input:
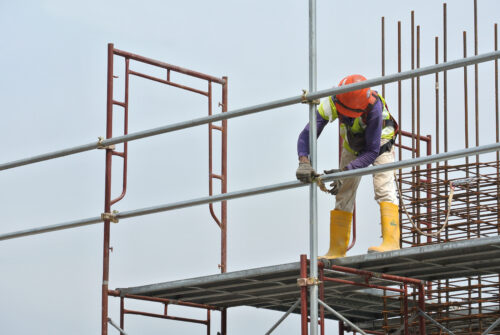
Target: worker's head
{"points": [[355, 103]]}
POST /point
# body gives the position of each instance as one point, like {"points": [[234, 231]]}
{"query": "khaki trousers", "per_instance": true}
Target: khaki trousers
{"points": [[383, 183]]}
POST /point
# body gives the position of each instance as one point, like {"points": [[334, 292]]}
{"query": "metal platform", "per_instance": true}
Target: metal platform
{"points": [[275, 287]]}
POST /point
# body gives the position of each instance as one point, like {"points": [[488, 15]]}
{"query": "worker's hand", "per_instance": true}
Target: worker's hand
{"points": [[305, 172], [336, 184]]}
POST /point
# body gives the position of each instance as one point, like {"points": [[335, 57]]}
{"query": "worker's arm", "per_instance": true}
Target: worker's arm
{"points": [[373, 132], [303, 142], [305, 172]]}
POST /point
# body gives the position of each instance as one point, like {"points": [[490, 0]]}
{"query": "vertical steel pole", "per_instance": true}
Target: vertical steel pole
{"points": [[303, 296], [438, 218], [400, 118], [313, 193], [466, 106], [224, 180], [322, 297], [478, 197], [208, 322], [445, 102], [383, 54], [421, 303], [107, 194], [405, 306], [341, 328], [122, 313], [413, 96], [497, 122]]}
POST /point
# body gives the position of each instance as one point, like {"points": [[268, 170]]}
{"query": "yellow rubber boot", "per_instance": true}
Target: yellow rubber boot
{"points": [[389, 215], [340, 233]]}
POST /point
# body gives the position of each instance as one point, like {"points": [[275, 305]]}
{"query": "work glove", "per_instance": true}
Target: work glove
{"points": [[336, 184], [305, 173]]}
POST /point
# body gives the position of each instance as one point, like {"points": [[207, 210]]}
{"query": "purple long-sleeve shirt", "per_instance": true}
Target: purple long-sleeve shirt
{"points": [[372, 134]]}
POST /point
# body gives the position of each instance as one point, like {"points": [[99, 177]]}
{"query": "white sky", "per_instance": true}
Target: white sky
{"points": [[53, 95]]}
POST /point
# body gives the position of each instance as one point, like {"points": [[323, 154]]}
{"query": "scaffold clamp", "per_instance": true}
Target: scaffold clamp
{"points": [[305, 100], [308, 281], [110, 216], [100, 144]]}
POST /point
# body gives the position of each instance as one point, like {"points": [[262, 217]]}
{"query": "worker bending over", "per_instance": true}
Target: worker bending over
{"points": [[368, 131]]}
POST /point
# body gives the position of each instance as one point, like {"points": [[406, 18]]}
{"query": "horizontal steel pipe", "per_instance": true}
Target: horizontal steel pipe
{"points": [[264, 189], [258, 108], [55, 227], [48, 156]]}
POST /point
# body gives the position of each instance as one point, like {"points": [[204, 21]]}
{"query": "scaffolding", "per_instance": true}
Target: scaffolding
{"points": [[443, 283]]}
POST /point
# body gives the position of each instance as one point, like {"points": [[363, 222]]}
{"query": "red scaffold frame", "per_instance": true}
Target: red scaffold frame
{"points": [[108, 215]]}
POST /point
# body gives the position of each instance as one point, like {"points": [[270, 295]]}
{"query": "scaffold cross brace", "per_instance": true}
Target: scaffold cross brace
{"points": [[305, 100], [102, 146], [308, 281], [110, 216]]}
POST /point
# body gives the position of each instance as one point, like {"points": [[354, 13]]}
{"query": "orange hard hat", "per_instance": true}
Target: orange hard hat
{"points": [[355, 103]]}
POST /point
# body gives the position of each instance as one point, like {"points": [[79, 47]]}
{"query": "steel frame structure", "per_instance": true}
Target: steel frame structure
{"points": [[310, 98], [108, 215]]}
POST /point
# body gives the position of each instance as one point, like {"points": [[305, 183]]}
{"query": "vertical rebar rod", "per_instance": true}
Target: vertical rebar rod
{"points": [[383, 54], [418, 95], [476, 82], [497, 137], [466, 99], [400, 176], [414, 190], [413, 88], [497, 123], [429, 192], [438, 187], [478, 184], [313, 190], [445, 103], [107, 193], [466, 131], [417, 149], [445, 82]]}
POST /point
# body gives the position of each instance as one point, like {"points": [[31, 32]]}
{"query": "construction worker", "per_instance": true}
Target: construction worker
{"points": [[368, 131]]}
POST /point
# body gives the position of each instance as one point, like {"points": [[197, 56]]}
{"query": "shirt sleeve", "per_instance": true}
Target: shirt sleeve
{"points": [[303, 142], [373, 132]]}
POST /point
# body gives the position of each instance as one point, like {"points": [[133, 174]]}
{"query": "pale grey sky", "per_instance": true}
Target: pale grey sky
{"points": [[53, 94]]}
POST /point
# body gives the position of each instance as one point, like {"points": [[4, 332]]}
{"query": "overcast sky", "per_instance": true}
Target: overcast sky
{"points": [[53, 96]]}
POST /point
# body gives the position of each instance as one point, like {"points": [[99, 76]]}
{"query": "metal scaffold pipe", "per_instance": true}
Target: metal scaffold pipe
{"points": [[264, 189], [255, 109], [313, 190]]}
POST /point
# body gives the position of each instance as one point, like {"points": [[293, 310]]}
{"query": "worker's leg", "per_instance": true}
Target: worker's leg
{"points": [[345, 198], [341, 217], [385, 195]]}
